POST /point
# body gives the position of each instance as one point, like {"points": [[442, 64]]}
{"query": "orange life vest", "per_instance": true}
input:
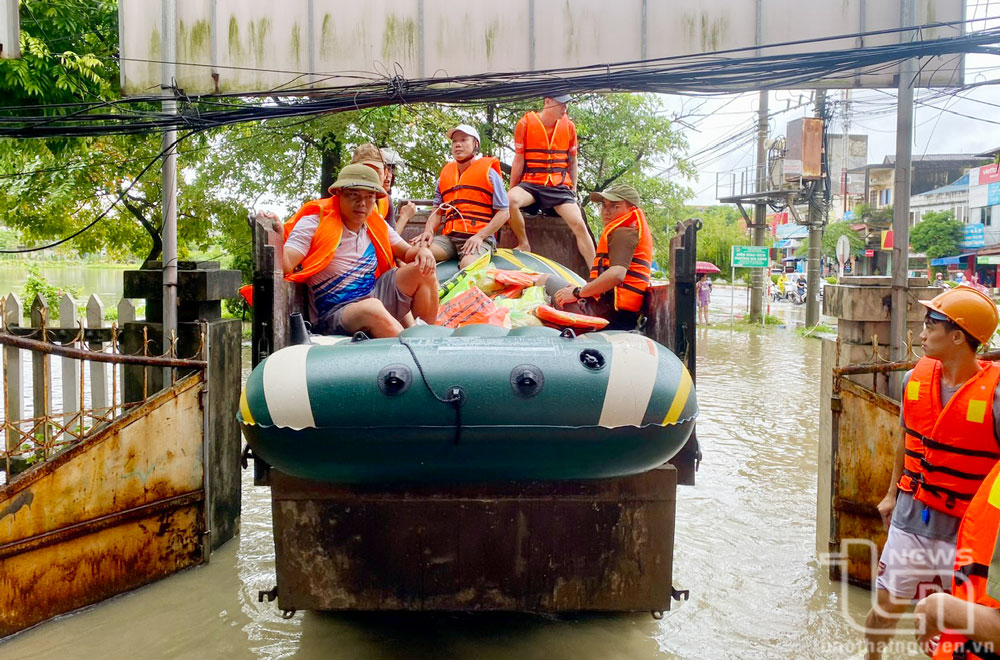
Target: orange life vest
{"points": [[948, 450], [977, 536], [382, 206], [547, 161], [469, 194], [629, 294], [327, 238]]}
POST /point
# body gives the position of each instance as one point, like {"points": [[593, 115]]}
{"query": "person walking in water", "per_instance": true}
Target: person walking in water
{"points": [[703, 287], [950, 417]]}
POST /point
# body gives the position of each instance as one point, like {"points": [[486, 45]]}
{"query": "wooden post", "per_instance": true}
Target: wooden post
{"points": [[41, 365], [98, 371], [70, 368], [13, 409]]}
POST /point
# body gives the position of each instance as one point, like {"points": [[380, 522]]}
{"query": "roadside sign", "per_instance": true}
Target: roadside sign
{"points": [[750, 256], [843, 249], [869, 253], [973, 236]]}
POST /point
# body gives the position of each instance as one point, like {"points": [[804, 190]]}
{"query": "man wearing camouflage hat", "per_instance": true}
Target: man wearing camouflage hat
{"points": [[345, 253], [621, 270]]}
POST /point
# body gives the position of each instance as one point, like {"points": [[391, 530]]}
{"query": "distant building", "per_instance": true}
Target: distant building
{"points": [[953, 197], [928, 172]]}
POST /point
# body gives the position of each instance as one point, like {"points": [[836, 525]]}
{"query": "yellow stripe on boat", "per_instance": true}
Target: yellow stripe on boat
{"points": [[245, 408], [561, 270], [680, 399], [508, 254], [634, 362]]}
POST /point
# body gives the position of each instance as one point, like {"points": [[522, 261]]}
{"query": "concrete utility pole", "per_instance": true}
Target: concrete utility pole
{"points": [[817, 219], [901, 208], [759, 210], [168, 231]]}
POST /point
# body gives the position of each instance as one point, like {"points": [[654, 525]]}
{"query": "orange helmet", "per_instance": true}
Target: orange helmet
{"points": [[969, 309]]}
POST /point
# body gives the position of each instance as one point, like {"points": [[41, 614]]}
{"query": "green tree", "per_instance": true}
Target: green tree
{"points": [[867, 213], [937, 234], [722, 228]]}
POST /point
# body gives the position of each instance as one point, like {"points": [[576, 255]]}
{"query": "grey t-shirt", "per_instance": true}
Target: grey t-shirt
{"points": [[908, 514]]}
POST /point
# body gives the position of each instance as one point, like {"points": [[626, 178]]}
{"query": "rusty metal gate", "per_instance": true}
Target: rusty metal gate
{"points": [[106, 494]]}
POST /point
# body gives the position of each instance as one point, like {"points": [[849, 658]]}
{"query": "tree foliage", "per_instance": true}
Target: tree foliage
{"points": [[831, 234], [937, 235], [722, 228], [52, 188]]}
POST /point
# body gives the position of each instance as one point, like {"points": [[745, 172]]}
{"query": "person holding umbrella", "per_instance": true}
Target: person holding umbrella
{"points": [[703, 288]]}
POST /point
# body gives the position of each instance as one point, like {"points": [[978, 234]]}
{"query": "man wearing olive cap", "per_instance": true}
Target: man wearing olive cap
{"points": [[344, 252], [544, 171], [621, 268]]}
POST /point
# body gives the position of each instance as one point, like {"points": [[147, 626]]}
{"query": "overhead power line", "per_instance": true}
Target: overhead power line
{"points": [[719, 72]]}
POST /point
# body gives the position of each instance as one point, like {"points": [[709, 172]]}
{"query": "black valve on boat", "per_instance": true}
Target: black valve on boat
{"points": [[592, 358], [526, 380], [394, 379]]}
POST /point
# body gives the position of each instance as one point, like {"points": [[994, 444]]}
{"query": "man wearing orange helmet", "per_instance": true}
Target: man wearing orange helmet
{"points": [[951, 416]]}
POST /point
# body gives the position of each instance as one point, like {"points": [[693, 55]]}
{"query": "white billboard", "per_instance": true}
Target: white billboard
{"points": [[10, 30], [261, 45]]}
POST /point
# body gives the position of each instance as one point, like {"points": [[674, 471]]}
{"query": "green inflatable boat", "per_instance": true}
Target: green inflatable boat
{"points": [[480, 403]]}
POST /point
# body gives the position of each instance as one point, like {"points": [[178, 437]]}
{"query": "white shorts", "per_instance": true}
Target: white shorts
{"points": [[913, 566]]}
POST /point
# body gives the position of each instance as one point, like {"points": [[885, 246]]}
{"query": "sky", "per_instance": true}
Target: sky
{"points": [[945, 121]]}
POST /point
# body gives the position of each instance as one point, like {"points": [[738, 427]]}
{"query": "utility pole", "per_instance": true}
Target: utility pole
{"points": [[759, 210], [817, 219], [901, 207], [168, 231]]}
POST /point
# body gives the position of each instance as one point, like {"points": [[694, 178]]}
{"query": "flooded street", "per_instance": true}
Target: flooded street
{"points": [[744, 548]]}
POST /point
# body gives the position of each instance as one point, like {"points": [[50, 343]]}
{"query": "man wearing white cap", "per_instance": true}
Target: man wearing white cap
{"points": [[544, 170], [470, 197]]}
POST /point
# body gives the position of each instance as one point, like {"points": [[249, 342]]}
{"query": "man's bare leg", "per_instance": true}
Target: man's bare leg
{"points": [[880, 624], [372, 316], [519, 197], [422, 288], [570, 212]]}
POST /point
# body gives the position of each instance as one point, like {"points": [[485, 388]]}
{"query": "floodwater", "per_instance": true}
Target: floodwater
{"points": [[745, 549], [106, 282]]}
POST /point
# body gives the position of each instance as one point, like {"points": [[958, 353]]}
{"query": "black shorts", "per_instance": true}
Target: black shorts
{"points": [[547, 197]]}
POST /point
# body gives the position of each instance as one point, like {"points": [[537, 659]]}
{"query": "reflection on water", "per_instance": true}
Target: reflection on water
{"points": [[744, 549], [105, 282]]}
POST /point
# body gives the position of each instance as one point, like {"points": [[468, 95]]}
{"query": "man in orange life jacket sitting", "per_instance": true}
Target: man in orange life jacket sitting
{"points": [[951, 417], [343, 250], [471, 197], [544, 171], [620, 273]]}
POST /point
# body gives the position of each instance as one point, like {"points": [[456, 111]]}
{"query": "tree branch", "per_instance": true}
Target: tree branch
{"points": [[150, 228]]}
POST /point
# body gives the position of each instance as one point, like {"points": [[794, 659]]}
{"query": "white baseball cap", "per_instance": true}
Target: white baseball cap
{"points": [[464, 128]]}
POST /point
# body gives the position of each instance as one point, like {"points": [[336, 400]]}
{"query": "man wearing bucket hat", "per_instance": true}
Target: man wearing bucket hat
{"points": [[470, 197], [344, 252], [951, 421], [544, 171], [621, 268]]}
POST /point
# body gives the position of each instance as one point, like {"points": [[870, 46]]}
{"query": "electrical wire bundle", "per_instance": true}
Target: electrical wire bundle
{"points": [[719, 72]]}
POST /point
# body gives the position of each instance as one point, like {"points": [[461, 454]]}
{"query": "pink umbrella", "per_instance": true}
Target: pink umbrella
{"points": [[706, 267]]}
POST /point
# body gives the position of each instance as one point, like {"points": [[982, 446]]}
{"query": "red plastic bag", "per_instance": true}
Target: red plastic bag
{"points": [[472, 306]]}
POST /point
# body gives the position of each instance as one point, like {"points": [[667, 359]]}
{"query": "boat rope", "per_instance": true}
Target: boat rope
{"points": [[455, 398]]}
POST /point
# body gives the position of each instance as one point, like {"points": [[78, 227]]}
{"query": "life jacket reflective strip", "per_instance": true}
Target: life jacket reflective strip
{"points": [[471, 195], [327, 238], [628, 295], [547, 161], [977, 536], [949, 449]]}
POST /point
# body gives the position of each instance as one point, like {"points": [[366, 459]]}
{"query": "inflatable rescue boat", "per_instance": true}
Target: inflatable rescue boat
{"points": [[479, 403]]}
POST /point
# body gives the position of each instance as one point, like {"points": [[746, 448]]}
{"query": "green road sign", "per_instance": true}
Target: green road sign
{"points": [[750, 256]]}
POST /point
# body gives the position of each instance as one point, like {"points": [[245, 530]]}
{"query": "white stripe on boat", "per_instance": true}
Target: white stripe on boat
{"points": [[634, 362], [285, 389]]}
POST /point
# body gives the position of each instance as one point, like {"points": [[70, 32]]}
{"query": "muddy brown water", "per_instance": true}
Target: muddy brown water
{"points": [[744, 549]]}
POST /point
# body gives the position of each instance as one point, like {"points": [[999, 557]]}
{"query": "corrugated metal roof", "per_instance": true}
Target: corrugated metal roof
{"points": [[959, 184]]}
